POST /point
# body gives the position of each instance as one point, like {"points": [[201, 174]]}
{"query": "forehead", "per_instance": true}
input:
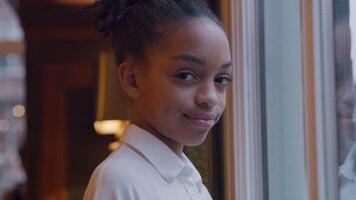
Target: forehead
{"points": [[200, 37]]}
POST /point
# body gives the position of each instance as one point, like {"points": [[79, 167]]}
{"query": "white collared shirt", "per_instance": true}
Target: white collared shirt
{"points": [[144, 168], [347, 176]]}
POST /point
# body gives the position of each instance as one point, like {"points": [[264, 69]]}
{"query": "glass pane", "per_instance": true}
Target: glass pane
{"points": [[12, 102], [345, 55], [281, 70], [12, 121]]}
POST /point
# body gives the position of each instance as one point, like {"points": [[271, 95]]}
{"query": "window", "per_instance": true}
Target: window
{"points": [[281, 126], [345, 77], [282, 86]]}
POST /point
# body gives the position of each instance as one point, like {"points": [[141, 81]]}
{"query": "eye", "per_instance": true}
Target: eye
{"points": [[186, 76], [223, 80]]}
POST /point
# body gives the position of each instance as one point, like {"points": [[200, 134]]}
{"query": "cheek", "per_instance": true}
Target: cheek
{"points": [[168, 101], [177, 100], [222, 99]]}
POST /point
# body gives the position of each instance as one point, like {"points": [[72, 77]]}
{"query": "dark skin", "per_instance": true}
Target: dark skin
{"points": [[179, 91]]}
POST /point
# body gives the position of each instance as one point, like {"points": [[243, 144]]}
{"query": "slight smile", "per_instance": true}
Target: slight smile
{"points": [[201, 119]]}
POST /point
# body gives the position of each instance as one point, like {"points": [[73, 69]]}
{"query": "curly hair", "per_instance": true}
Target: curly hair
{"points": [[135, 25]]}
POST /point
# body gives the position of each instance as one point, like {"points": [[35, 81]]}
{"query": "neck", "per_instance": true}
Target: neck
{"points": [[174, 146]]}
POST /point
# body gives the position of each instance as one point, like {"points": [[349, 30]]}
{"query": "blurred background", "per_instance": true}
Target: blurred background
{"points": [[55, 92]]}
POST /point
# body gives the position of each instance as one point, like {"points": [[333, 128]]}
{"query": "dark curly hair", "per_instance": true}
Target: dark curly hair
{"points": [[136, 24]]}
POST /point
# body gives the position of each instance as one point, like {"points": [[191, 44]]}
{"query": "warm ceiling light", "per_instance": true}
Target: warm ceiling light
{"points": [[18, 111], [111, 127]]}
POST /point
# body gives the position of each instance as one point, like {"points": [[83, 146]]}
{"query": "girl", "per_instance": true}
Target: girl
{"points": [[174, 63]]}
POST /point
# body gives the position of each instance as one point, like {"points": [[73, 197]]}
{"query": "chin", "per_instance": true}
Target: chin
{"points": [[197, 141], [194, 144]]}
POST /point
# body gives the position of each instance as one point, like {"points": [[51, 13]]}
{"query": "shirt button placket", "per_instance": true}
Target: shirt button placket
{"points": [[189, 189]]}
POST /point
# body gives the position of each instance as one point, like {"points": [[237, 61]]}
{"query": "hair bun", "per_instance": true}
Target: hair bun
{"points": [[111, 12]]}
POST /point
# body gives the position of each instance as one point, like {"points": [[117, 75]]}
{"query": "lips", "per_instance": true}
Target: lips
{"points": [[203, 120]]}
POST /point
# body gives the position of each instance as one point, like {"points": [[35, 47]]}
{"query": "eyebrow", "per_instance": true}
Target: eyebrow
{"points": [[198, 61], [190, 58], [227, 65]]}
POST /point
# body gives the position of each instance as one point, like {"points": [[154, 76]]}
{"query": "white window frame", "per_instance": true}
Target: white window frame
{"points": [[325, 100], [242, 124]]}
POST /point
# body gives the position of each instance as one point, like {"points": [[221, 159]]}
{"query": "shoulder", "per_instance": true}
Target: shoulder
{"points": [[123, 165], [119, 175]]}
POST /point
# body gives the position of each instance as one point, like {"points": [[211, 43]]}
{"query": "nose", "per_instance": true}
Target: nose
{"points": [[206, 96]]}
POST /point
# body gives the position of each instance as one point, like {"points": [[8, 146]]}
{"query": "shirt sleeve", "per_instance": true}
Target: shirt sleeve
{"points": [[110, 184]]}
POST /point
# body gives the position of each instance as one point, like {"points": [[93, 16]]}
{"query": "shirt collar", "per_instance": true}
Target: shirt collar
{"points": [[193, 173], [348, 168], [161, 157]]}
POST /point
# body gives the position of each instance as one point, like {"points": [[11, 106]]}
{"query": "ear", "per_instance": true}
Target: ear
{"points": [[128, 76]]}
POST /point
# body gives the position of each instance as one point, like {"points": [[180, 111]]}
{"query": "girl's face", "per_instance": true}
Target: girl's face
{"points": [[183, 85]]}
